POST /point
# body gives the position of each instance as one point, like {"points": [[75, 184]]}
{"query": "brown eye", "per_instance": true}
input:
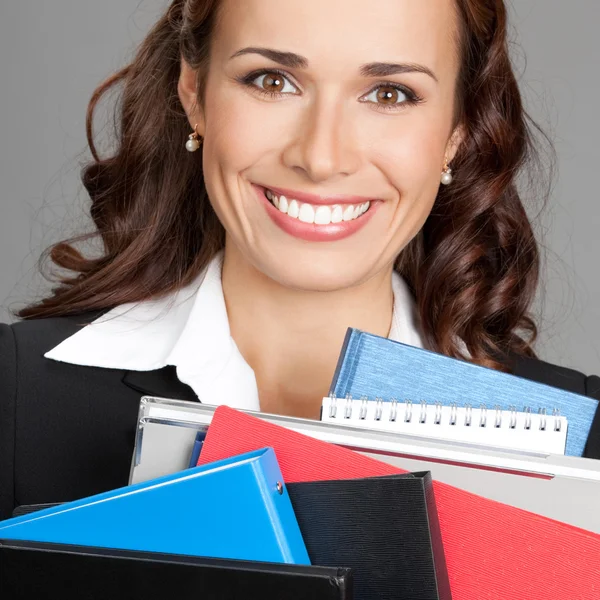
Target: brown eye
{"points": [[388, 95], [273, 82]]}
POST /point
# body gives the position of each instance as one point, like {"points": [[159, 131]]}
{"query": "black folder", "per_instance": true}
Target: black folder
{"points": [[385, 529], [30, 571]]}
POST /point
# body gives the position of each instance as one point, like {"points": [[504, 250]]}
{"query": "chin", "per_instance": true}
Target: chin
{"points": [[327, 274]]}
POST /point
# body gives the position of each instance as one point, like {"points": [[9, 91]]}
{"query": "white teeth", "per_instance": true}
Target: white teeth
{"points": [[348, 213], [323, 215], [337, 214], [307, 214], [283, 204], [293, 209], [319, 215]]}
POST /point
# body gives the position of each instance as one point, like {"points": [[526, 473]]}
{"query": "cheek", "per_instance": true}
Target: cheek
{"points": [[232, 144], [236, 128], [411, 158]]}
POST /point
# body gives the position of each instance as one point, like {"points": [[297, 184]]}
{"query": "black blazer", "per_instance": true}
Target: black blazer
{"points": [[68, 431]]}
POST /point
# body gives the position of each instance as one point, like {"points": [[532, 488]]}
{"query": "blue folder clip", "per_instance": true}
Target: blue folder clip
{"points": [[198, 443]]}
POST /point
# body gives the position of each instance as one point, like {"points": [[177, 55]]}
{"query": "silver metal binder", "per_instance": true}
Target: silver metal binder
{"points": [[565, 488]]}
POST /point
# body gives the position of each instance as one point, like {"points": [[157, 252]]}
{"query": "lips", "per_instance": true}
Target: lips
{"points": [[311, 219], [317, 199], [322, 214]]}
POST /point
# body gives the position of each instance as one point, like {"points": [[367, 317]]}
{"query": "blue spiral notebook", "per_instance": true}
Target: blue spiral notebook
{"points": [[379, 369], [237, 508]]}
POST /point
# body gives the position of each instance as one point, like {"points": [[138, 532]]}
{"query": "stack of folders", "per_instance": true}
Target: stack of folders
{"points": [[232, 528], [385, 385], [491, 549], [226, 504]]}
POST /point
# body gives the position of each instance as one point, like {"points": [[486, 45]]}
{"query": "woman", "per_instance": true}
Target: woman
{"points": [[282, 171]]}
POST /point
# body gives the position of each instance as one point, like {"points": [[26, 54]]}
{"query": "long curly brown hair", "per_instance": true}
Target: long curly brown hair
{"points": [[473, 268]]}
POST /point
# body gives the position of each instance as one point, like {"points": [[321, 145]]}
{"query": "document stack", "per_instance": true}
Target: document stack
{"points": [[386, 385], [234, 527], [426, 479]]}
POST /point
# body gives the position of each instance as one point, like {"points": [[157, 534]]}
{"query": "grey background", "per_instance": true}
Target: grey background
{"points": [[53, 54]]}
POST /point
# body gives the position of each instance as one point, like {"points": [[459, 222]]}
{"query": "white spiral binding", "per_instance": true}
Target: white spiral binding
{"points": [[487, 417]]}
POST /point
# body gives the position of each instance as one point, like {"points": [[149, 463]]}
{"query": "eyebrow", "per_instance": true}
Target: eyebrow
{"points": [[291, 60]]}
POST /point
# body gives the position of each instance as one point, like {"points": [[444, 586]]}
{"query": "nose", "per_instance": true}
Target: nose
{"points": [[324, 147]]}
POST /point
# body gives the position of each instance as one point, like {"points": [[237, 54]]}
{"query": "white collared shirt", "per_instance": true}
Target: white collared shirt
{"points": [[190, 330]]}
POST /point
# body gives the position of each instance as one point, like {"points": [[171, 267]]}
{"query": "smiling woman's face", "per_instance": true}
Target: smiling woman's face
{"points": [[326, 128]]}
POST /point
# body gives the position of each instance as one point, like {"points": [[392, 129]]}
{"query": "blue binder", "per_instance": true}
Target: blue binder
{"points": [[237, 508], [374, 367]]}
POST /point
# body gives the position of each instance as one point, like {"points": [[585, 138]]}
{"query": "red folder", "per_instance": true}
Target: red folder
{"points": [[493, 551]]}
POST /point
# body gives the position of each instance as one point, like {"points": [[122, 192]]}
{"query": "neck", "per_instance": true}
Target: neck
{"points": [[292, 338]]}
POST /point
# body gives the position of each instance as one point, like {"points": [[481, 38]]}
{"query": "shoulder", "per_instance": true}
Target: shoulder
{"points": [[566, 379], [42, 334], [550, 374], [23, 345], [49, 408]]}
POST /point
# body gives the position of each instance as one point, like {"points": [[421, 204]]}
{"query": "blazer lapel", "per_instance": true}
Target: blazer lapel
{"points": [[161, 382]]}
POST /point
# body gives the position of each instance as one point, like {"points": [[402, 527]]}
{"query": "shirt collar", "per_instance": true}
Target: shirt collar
{"points": [[189, 330]]}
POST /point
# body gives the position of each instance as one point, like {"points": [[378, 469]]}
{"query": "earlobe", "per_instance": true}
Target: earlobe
{"points": [[188, 95]]}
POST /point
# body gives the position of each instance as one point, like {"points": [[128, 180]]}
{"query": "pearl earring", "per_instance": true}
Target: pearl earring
{"points": [[446, 178], [194, 141]]}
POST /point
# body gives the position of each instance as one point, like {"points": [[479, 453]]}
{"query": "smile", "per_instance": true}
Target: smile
{"points": [[317, 214], [317, 218]]}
